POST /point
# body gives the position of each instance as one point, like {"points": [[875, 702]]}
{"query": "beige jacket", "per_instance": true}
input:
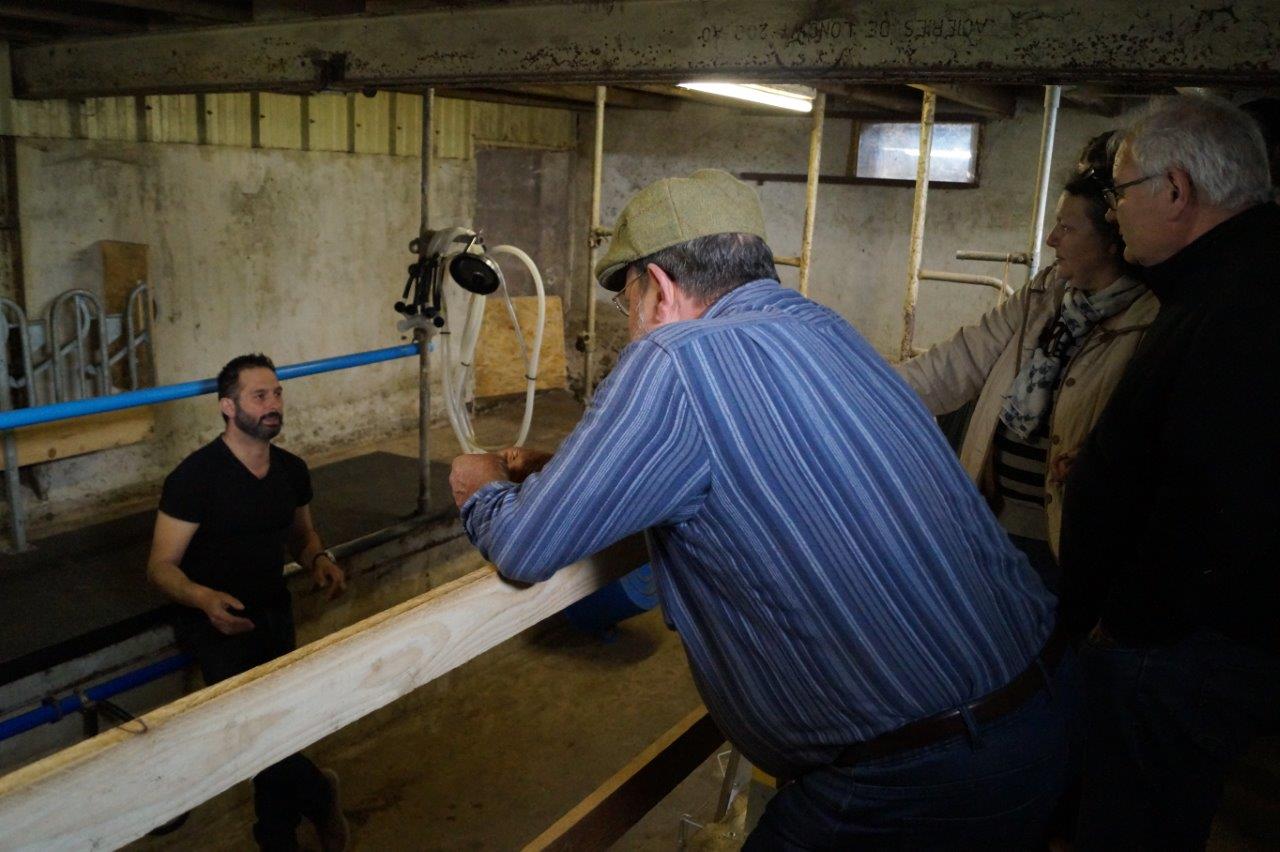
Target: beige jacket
{"points": [[982, 361]]}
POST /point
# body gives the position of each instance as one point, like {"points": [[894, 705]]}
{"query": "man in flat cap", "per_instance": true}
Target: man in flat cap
{"points": [[855, 619]]}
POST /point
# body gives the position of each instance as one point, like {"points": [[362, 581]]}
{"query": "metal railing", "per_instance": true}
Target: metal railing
{"points": [[18, 418]]}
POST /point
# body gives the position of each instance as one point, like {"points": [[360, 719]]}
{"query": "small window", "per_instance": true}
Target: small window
{"points": [[889, 152]]}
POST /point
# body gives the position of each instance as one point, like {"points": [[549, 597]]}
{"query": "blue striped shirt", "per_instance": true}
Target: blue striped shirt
{"points": [[830, 568]]}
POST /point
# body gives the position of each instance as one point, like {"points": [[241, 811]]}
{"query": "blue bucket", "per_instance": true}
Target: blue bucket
{"points": [[630, 595]]}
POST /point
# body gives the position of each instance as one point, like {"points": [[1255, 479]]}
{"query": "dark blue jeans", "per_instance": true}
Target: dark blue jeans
{"points": [[286, 791], [995, 788], [1163, 727]]}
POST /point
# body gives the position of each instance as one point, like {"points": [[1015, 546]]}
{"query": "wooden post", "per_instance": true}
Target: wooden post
{"points": [[916, 248], [811, 190]]}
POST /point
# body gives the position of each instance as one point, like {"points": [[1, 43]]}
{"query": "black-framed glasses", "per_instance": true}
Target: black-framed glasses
{"points": [[1114, 193]]}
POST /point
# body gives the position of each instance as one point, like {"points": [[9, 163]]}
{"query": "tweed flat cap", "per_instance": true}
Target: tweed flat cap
{"points": [[676, 210]]}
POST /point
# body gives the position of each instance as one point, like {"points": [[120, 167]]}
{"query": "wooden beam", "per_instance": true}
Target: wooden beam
{"points": [[666, 41], [113, 788], [988, 99], [892, 98], [1091, 99], [618, 96], [599, 820], [104, 24], [208, 10]]}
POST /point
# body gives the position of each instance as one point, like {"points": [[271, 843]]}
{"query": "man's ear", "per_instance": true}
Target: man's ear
{"points": [[227, 406], [668, 296], [1179, 190]]}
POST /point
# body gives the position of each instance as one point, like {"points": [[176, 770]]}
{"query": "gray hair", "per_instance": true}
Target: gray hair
{"points": [[1218, 145]]}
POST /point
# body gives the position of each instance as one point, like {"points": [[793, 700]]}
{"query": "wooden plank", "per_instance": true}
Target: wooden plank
{"points": [[599, 820], [229, 119], [173, 118], [280, 121], [111, 789], [499, 364], [65, 438], [328, 123], [124, 267]]}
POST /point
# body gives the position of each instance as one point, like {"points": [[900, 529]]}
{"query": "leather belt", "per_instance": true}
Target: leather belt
{"points": [[949, 723]]}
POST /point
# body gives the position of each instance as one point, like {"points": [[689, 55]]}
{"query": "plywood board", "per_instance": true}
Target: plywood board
{"points": [[66, 438], [499, 365], [130, 779], [124, 266]]}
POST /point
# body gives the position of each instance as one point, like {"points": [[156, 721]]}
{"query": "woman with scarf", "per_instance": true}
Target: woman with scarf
{"points": [[1042, 367]]}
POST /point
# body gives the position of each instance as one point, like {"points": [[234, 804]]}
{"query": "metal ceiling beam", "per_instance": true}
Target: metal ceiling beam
{"points": [[909, 41]]}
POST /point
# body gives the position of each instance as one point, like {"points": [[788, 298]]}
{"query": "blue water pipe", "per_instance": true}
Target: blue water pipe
{"points": [[20, 417], [52, 711]]}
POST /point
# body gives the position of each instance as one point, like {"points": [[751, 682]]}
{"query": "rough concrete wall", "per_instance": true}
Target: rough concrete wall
{"points": [[296, 254], [860, 244]]}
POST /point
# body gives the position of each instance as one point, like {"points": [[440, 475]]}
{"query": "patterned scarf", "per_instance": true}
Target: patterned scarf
{"points": [[1027, 405]]}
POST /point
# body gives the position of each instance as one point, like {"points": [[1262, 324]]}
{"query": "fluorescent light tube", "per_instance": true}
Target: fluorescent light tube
{"points": [[796, 98]]}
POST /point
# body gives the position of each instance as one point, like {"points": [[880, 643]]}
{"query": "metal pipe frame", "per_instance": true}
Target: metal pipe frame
{"points": [[12, 480], [1017, 257], [139, 303], [78, 299], [965, 278], [915, 251], [811, 190], [72, 409], [594, 235], [421, 335], [1049, 129]]}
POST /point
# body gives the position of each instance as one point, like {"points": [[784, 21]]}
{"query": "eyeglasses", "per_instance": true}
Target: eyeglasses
{"points": [[619, 298], [620, 303], [1113, 194]]}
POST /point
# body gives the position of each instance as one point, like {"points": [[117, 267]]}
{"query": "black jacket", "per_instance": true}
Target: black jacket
{"points": [[1172, 514]]}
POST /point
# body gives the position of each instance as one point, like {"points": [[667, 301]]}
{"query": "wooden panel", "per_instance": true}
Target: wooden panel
{"points": [[228, 119], [408, 124], [123, 783], [600, 820], [42, 118], [66, 438], [373, 124], [499, 365], [173, 118], [452, 128], [328, 118], [524, 126], [110, 118], [280, 122], [124, 266]]}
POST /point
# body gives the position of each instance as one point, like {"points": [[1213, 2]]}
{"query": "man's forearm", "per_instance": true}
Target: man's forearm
{"points": [[305, 549], [176, 585]]}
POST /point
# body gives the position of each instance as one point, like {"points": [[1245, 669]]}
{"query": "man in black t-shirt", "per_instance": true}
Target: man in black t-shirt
{"points": [[228, 513]]}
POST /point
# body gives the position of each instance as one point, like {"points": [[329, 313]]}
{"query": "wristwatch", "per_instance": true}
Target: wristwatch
{"points": [[325, 553]]}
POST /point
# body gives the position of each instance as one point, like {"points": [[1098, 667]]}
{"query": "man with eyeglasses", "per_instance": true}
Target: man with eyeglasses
{"points": [[854, 617], [1172, 516]]}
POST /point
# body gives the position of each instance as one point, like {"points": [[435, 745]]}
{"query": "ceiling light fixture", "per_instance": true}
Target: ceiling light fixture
{"points": [[795, 98]]}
